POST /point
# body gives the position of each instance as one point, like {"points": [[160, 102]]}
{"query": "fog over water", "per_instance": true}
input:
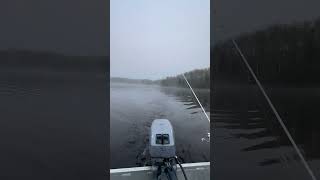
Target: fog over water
{"points": [[153, 40], [54, 68]]}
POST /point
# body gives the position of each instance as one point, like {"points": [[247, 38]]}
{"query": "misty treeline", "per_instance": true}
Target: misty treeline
{"points": [[199, 78], [133, 81], [278, 54], [38, 61]]}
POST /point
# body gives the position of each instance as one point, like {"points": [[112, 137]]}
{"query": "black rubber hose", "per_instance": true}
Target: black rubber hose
{"points": [[171, 175], [184, 173]]}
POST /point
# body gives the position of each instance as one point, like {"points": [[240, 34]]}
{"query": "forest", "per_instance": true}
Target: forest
{"points": [[199, 78], [131, 81], [280, 54], [43, 61]]}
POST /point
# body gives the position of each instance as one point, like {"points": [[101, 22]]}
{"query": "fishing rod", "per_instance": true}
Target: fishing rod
{"points": [[203, 110], [304, 162], [162, 145], [244, 59], [194, 94]]}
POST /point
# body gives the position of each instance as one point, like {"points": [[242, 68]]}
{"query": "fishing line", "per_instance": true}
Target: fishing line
{"points": [[194, 94], [275, 112]]}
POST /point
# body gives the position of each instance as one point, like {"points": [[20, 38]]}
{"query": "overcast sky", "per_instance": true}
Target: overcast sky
{"points": [[157, 38]]}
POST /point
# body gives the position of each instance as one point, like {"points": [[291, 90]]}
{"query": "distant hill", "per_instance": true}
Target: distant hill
{"points": [[279, 54], [198, 78], [128, 80]]}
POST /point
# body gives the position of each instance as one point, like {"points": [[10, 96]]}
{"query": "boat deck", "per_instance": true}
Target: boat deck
{"points": [[194, 171]]}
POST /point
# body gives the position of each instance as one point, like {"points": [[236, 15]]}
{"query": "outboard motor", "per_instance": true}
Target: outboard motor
{"points": [[162, 149], [162, 140]]}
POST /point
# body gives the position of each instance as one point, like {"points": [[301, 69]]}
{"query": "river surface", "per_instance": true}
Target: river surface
{"points": [[53, 125], [133, 107], [248, 141]]}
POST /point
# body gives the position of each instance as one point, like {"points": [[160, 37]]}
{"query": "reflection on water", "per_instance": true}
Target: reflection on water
{"points": [[249, 140], [185, 96], [299, 107], [135, 106]]}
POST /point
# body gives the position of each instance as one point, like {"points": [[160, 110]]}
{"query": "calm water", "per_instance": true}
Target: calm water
{"points": [[53, 126], [249, 141], [135, 106]]}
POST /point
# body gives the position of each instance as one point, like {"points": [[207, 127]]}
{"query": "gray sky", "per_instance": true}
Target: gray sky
{"points": [[157, 38]]}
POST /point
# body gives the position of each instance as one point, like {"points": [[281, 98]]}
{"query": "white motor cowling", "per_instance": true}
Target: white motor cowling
{"points": [[162, 143]]}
